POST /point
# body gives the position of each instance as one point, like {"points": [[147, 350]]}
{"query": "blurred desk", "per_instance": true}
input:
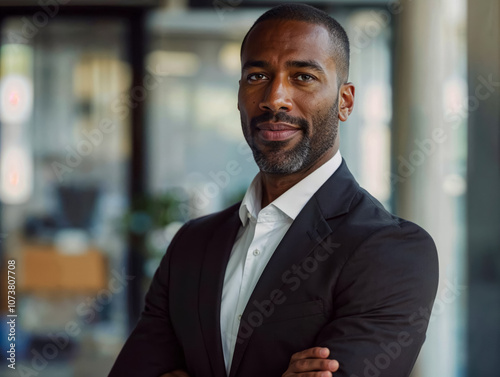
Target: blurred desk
{"points": [[44, 268]]}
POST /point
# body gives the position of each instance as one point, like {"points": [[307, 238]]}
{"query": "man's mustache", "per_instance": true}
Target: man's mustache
{"points": [[280, 117]]}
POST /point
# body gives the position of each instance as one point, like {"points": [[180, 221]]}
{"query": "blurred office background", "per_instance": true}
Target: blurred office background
{"points": [[118, 122]]}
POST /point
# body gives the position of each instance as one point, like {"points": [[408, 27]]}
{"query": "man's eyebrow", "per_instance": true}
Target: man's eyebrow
{"points": [[306, 64], [255, 64], [312, 64]]}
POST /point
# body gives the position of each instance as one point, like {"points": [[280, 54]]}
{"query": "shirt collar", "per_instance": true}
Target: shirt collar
{"points": [[294, 199], [250, 205]]}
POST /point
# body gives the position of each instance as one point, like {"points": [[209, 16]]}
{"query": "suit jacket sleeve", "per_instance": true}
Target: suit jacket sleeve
{"points": [[153, 348], [382, 303]]}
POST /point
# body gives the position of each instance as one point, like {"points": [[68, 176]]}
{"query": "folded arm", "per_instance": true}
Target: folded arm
{"points": [[382, 302]]}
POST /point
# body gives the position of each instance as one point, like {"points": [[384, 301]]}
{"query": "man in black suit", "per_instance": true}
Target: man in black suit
{"points": [[309, 275]]}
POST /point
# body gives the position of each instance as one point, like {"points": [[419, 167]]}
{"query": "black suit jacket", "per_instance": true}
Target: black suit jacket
{"points": [[348, 275]]}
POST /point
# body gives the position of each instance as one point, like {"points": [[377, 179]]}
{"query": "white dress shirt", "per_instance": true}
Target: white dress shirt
{"points": [[260, 233]]}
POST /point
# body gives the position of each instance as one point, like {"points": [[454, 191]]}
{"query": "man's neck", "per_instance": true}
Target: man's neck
{"points": [[274, 185]]}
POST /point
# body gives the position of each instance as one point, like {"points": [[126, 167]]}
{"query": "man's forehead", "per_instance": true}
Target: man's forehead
{"points": [[290, 39], [287, 34]]}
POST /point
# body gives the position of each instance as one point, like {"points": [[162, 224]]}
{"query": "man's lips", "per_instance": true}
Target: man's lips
{"points": [[276, 131]]}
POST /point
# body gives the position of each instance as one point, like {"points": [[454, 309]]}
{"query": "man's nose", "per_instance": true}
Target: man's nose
{"points": [[277, 97]]}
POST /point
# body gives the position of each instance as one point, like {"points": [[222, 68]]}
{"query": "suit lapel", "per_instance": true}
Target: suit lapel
{"points": [[306, 232], [211, 283]]}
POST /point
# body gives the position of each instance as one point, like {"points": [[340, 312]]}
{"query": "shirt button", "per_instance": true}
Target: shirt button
{"points": [[256, 252], [239, 317]]}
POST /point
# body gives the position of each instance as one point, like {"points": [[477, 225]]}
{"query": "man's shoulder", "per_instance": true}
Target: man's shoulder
{"points": [[208, 223], [369, 218], [215, 218], [343, 195], [196, 233], [389, 243]]}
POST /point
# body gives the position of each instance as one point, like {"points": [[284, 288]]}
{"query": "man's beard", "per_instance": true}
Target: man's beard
{"points": [[309, 149]]}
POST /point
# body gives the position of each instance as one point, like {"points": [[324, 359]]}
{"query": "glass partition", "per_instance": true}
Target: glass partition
{"points": [[64, 155]]}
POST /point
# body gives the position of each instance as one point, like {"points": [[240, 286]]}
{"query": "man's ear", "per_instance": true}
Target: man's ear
{"points": [[346, 100]]}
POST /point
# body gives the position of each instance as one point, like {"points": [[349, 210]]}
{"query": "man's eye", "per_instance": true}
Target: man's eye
{"points": [[305, 77], [256, 77]]}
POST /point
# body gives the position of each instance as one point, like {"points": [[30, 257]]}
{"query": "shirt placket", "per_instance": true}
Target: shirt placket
{"points": [[263, 230]]}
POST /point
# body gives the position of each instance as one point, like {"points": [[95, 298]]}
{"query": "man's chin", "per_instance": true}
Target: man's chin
{"points": [[277, 166], [280, 157], [275, 170]]}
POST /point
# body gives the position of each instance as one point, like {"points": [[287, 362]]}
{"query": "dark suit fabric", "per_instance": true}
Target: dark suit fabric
{"points": [[348, 275]]}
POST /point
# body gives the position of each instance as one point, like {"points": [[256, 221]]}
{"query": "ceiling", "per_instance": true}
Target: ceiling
{"points": [[52, 3]]}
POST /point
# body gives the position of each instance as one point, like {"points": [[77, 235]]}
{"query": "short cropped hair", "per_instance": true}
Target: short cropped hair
{"points": [[307, 13]]}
